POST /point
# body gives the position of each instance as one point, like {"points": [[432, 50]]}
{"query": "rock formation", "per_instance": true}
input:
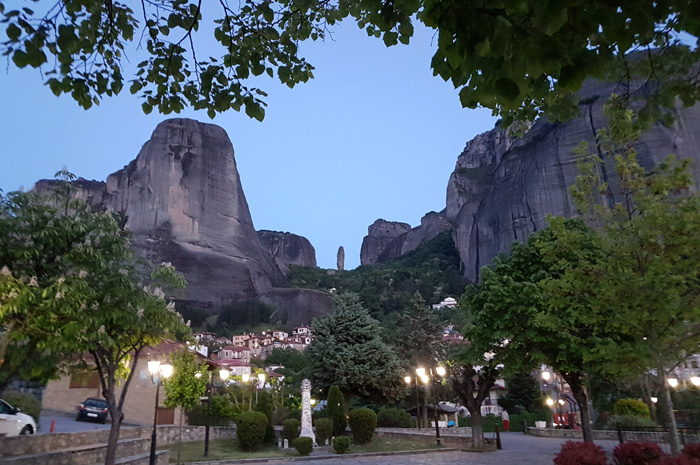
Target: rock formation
{"points": [[289, 248], [182, 199], [503, 188], [379, 235], [296, 307], [375, 248], [341, 258]]}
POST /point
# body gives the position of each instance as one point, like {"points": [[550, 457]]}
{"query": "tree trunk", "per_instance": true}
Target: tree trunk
{"points": [[113, 441], [674, 440], [579, 392], [477, 429]]}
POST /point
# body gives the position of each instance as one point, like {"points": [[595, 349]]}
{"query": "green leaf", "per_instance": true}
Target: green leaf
{"points": [[507, 88], [13, 32]]}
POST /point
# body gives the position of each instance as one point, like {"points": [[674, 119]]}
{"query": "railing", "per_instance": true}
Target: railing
{"points": [[657, 434]]}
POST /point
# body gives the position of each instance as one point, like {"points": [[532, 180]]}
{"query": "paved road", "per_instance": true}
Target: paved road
{"points": [[64, 423], [518, 449]]}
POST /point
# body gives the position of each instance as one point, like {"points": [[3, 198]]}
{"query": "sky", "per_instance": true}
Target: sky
{"points": [[374, 135]]}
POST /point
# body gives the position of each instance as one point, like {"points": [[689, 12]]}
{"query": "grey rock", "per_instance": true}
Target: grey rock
{"points": [[183, 202], [341, 258], [290, 248], [379, 236], [431, 225], [503, 188], [296, 307]]}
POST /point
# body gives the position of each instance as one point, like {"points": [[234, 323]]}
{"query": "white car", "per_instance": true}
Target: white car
{"points": [[13, 422]]}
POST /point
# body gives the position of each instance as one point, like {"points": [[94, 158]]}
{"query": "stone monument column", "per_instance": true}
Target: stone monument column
{"points": [[307, 430]]}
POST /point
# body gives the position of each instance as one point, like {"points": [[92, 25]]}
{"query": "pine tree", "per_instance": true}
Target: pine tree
{"points": [[336, 410]]}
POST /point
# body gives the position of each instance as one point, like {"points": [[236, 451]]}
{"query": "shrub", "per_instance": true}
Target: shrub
{"points": [[219, 412], [290, 429], [488, 422], [324, 430], [318, 414], [580, 453], [394, 418], [692, 450], [636, 453], [629, 421], [304, 445], [633, 407], [27, 403], [341, 444], [680, 460], [264, 405], [250, 429], [279, 415], [336, 410], [363, 422]]}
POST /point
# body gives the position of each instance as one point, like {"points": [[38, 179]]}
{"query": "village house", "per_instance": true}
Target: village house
{"points": [[66, 393]]}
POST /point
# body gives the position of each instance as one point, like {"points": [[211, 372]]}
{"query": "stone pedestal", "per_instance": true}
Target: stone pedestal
{"points": [[307, 430]]}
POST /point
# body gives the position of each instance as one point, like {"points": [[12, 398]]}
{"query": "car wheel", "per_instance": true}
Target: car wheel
{"points": [[26, 430]]}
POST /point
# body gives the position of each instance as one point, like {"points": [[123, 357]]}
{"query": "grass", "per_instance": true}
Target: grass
{"points": [[227, 449]]}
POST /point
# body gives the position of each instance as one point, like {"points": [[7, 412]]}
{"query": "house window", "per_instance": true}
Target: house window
{"points": [[84, 380]]}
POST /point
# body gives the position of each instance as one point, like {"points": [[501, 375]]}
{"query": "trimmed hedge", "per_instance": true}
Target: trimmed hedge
{"points": [[336, 410], [27, 403], [633, 407], [304, 445], [324, 430], [580, 453], [250, 429], [291, 429], [394, 418], [341, 444], [637, 453], [363, 423]]}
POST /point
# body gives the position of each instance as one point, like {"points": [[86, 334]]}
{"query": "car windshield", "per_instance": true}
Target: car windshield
{"points": [[96, 403], [5, 407]]}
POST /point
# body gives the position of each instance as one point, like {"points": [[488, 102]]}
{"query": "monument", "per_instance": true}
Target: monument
{"points": [[307, 430]]}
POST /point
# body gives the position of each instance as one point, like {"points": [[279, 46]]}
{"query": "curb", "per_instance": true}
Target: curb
{"points": [[309, 458]]}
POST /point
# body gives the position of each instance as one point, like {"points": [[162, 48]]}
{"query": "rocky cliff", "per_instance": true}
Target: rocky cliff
{"points": [[289, 248], [503, 187], [182, 199], [386, 240]]}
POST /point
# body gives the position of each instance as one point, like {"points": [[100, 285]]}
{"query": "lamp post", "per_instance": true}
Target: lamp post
{"points": [[407, 379], [158, 372], [546, 376], [223, 374], [426, 378]]}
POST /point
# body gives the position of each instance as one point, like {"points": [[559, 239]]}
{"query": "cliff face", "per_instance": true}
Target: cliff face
{"points": [[289, 248], [380, 234], [502, 188], [182, 200]]}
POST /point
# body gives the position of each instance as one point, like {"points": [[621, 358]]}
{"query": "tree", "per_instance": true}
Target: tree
{"points": [[520, 58], [646, 280], [347, 351], [514, 316], [418, 335], [184, 388], [523, 392], [472, 382], [337, 410], [71, 285]]}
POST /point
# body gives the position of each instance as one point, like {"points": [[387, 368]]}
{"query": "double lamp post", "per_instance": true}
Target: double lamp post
{"points": [[159, 372], [426, 378]]}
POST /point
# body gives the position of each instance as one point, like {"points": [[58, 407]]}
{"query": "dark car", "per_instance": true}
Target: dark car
{"points": [[92, 409]]}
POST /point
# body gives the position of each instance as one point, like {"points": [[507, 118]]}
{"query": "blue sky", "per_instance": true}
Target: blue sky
{"points": [[374, 135]]}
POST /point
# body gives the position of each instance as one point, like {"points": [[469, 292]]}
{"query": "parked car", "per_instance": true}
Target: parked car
{"points": [[92, 409], [13, 422]]}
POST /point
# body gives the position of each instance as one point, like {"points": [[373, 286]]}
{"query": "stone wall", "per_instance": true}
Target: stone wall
{"points": [[20, 445], [570, 434]]}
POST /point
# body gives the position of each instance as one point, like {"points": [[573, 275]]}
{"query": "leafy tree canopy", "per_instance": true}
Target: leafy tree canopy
{"points": [[347, 351], [518, 57]]}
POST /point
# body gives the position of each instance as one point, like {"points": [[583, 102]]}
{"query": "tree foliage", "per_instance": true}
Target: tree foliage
{"points": [[70, 285], [417, 335], [347, 351], [184, 388], [520, 58], [336, 410]]}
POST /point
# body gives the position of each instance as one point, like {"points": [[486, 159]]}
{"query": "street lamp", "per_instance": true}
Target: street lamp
{"points": [[426, 378], [407, 379], [223, 374], [158, 372], [695, 380], [673, 382]]}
